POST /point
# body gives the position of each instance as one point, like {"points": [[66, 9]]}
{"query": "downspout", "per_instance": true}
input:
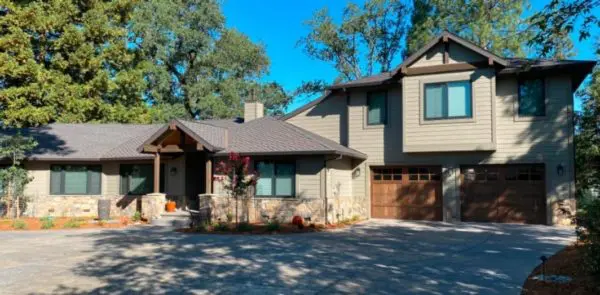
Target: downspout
{"points": [[339, 157]]}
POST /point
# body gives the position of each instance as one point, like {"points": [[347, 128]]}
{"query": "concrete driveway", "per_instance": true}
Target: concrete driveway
{"points": [[375, 257]]}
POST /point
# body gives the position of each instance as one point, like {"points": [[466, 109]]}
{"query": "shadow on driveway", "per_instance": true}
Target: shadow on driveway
{"points": [[375, 257]]}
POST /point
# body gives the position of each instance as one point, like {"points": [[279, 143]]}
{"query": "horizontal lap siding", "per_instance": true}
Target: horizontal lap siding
{"points": [[308, 177], [325, 118], [477, 132], [339, 181]]}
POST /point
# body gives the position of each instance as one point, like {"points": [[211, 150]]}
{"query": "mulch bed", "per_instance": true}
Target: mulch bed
{"points": [[567, 262], [263, 229], [59, 223]]}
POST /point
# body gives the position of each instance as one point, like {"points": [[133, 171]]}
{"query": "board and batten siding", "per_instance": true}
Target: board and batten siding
{"points": [[456, 54]]}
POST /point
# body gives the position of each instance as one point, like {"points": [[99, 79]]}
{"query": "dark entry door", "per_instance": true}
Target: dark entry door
{"points": [[194, 177]]}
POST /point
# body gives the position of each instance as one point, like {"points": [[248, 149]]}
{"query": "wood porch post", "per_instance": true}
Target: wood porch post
{"points": [[208, 175], [157, 172]]}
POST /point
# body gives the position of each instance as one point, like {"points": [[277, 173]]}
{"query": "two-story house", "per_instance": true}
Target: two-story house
{"points": [[454, 133]]}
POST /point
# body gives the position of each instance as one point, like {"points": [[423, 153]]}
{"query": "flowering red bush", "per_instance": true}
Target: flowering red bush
{"points": [[235, 176], [298, 220]]}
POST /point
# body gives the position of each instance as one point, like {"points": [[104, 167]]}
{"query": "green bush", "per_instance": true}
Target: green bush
{"points": [[220, 226], [588, 231], [244, 227], [137, 216], [47, 222], [273, 225], [73, 223], [19, 224], [202, 227]]}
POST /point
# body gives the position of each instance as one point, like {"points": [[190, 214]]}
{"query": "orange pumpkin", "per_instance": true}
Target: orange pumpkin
{"points": [[171, 206]]}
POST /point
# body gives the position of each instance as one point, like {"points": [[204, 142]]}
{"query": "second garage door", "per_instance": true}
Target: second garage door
{"points": [[413, 193], [503, 193]]}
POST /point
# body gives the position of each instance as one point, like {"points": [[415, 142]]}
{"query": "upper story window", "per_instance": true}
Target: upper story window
{"points": [[376, 108], [532, 101], [75, 179], [448, 100], [276, 179]]}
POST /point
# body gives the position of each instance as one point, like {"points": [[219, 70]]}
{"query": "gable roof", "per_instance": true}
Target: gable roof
{"points": [[447, 36]]}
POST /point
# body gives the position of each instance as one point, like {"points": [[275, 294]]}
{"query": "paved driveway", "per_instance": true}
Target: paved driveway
{"points": [[377, 257]]}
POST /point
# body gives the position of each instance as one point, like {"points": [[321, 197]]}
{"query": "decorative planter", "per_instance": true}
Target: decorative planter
{"points": [[171, 206]]}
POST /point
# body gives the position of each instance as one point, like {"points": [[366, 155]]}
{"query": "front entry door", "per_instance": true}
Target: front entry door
{"points": [[194, 177]]}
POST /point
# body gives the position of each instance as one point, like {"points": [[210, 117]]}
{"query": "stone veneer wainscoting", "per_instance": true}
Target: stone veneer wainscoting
{"points": [[151, 206]]}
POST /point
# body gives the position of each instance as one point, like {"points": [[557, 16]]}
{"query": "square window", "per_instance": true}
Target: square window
{"points": [[376, 108], [413, 177], [377, 177], [387, 177], [397, 176], [448, 100], [423, 176], [532, 98]]}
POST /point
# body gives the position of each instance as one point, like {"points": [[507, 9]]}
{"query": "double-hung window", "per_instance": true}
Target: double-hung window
{"points": [[448, 100], [276, 179], [377, 108], [532, 98], [138, 179], [75, 179]]}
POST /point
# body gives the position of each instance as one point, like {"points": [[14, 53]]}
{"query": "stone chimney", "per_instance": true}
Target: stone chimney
{"points": [[253, 110]]}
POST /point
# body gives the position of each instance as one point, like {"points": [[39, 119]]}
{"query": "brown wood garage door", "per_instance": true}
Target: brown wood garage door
{"points": [[413, 193], [503, 193]]}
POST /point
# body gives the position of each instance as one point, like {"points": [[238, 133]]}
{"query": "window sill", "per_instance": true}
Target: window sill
{"points": [[75, 195], [529, 118], [274, 198], [374, 126], [447, 121]]}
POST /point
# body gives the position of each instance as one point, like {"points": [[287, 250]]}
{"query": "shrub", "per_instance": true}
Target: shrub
{"points": [[19, 224], [588, 231], [244, 227], [220, 226], [273, 225], [47, 222], [72, 223], [229, 217], [137, 216], [202, 227], [355, 218]]}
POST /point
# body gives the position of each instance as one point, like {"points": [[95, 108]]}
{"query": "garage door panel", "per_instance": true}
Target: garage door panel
{"points": [[413, 193], [503, 193]]}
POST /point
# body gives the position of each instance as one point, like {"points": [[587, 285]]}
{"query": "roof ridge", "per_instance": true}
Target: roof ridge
{"points": [[203, 123]]}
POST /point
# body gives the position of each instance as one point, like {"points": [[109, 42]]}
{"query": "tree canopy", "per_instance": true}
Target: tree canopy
{"points": [[364, 43], [197, 63], [68, 61]]}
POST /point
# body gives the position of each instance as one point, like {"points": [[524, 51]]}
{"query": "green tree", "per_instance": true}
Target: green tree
{"points": [[68, 61], [497, 26], [558, 19], [366, 41], [14, 178], [197, 63]]}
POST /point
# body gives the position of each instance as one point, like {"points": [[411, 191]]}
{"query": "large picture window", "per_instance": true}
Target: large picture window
{"points": [[275, 179], [138, 179], [532, 98], [75, 179], [448, 100], [376, 108]]}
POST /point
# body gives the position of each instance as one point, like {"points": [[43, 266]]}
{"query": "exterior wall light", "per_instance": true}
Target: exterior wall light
{"points": [[173, 171], [560, 170]]}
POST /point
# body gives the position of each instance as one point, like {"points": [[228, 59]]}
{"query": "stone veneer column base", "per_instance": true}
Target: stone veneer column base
{"points": [[153, 205]]}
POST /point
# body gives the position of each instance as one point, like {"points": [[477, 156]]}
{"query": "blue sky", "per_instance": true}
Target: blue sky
{"points": [[278, 25]]}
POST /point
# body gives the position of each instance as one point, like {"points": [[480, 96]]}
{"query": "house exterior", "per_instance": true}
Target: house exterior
{"points": [[454, 133]]}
